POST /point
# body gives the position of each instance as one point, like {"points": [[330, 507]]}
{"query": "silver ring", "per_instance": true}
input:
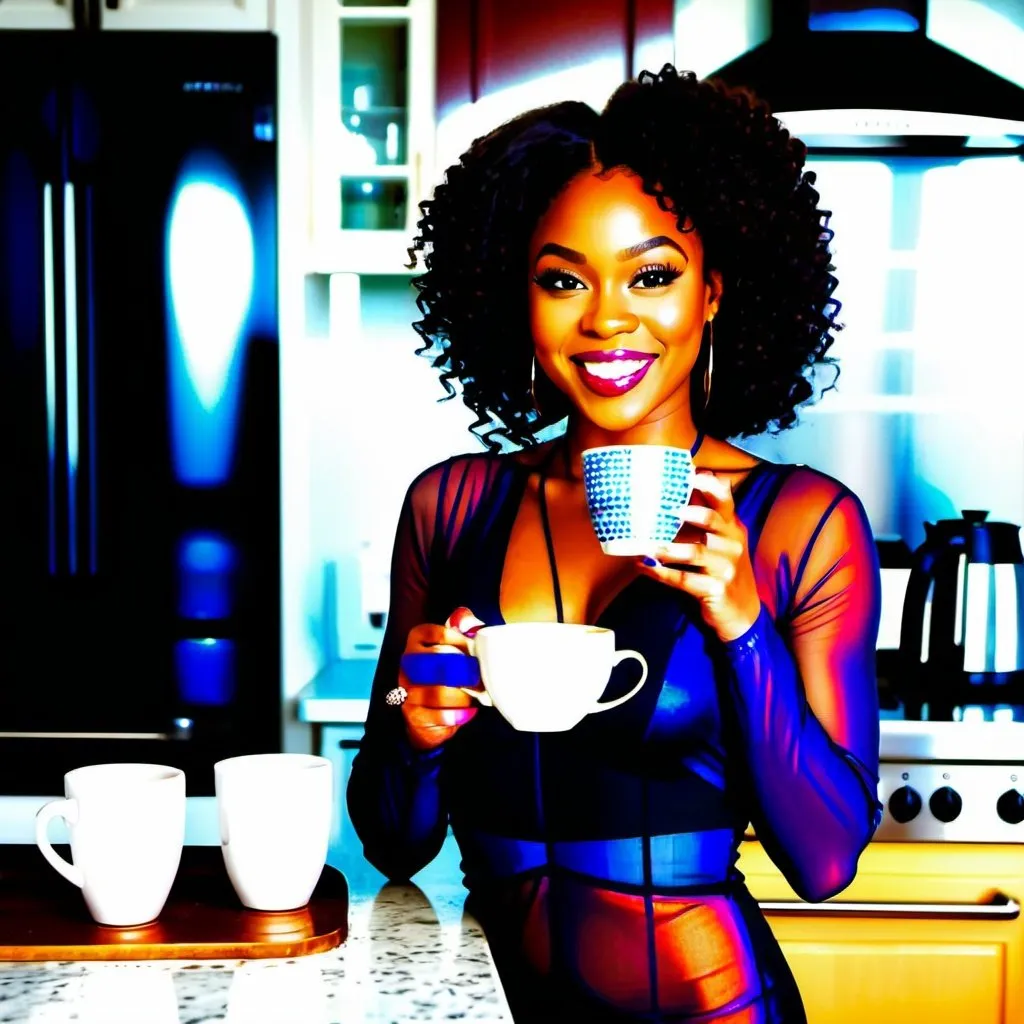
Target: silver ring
{"points": [[396, 696]]}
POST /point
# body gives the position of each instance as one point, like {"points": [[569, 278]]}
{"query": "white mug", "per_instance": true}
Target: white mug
{"points": [[548, 676], [127, 828], [275, 815]]}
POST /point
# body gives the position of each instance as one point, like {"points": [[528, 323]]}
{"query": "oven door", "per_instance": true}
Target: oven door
{"points": [[929, 932]]}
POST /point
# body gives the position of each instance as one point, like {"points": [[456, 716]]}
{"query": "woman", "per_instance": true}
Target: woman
{"points": [[659, 274]]}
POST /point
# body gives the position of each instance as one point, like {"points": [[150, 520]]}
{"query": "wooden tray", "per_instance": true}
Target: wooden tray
{"points": [[43, 917]]}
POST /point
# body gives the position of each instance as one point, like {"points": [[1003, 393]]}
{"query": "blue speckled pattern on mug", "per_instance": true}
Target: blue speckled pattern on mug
{"points": [[636, 492]]}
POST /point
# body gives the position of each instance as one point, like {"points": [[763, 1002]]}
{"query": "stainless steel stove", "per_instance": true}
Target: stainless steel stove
{"points": [[958, 782]]}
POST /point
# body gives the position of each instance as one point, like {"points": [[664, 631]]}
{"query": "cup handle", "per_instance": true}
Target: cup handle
{"points": [[68, 810], [621, 656]]}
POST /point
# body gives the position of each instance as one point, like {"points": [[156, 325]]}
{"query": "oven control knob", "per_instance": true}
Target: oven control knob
{"points": [[905, 804], [945, 804], [1010, 807]]}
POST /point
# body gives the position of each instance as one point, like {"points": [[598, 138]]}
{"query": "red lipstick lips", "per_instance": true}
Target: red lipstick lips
{"points": [[613, 373]]}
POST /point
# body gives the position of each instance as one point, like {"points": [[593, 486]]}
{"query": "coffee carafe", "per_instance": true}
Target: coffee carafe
{"points": [[962, 636]]}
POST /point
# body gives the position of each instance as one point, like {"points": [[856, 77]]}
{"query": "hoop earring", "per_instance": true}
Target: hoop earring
{"points": [[533, 385], [711, 361]]}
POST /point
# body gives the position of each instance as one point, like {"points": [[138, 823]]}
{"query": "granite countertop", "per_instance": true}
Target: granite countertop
{"points": [[412, 954]]}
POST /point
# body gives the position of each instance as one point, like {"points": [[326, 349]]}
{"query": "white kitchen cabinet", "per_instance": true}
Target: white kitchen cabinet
{"points": [[142, 15], [189, 15], [340, 744], [26, 14], [372, 131]]}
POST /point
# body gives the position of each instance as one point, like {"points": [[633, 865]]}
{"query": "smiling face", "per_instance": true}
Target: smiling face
{"points": [[618, 299]]}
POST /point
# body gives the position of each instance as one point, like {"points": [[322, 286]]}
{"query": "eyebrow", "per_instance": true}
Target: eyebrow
{"points": [[651, 243], [574, 256]]}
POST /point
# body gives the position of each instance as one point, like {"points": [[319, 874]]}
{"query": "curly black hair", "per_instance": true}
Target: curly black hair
{"points": [[713, 155]]}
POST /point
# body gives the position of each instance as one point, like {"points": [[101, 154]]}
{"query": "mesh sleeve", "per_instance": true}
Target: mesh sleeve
{"points": [[804, 689]]}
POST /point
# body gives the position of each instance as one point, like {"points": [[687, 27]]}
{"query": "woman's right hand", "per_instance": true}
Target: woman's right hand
{"points": [[433, 714]]}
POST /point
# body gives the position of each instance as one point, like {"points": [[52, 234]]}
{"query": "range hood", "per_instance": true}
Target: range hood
{"points": [[864, 88]]}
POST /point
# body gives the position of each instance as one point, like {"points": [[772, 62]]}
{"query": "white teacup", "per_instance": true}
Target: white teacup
{"points": [[275, 824], [548, 676], [127, 827]]}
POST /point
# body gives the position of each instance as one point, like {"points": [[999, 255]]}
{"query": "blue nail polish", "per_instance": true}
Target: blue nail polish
{"points": [[651, 563]]}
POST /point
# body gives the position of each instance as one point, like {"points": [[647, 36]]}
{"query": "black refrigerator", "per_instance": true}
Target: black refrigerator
{"points": [[140, 581]]}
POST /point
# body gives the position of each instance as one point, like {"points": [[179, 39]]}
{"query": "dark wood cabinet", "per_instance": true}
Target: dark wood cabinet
{"points": [[484, 46]]}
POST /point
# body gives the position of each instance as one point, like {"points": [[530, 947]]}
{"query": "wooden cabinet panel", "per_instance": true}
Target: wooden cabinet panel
{"points": [[850, 981], [485, 46], [652, 44], [529, 38], [907, 956], [456, 31]]}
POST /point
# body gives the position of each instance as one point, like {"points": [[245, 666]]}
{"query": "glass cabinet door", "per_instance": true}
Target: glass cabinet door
{"points": [[373, 107]]}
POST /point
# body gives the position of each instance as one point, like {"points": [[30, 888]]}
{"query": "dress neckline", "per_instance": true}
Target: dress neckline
{"points": [[549, 540]]}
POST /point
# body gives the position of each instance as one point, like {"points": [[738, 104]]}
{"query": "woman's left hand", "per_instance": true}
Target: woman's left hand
{"points": [[713, 543]]}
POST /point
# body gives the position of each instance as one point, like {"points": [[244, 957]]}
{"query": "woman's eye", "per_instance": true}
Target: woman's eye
{"points": [[655, 277], [559, 281]]}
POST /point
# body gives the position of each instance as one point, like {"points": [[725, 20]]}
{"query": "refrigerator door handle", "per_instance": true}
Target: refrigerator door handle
{"points": [[71, 369], [91, 503], [50, 364], [63, 432]]}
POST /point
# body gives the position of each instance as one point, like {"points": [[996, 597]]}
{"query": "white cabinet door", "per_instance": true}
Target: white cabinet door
{"points": [[372, 130], [37, 14], [187, 15], [340, 744]]}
